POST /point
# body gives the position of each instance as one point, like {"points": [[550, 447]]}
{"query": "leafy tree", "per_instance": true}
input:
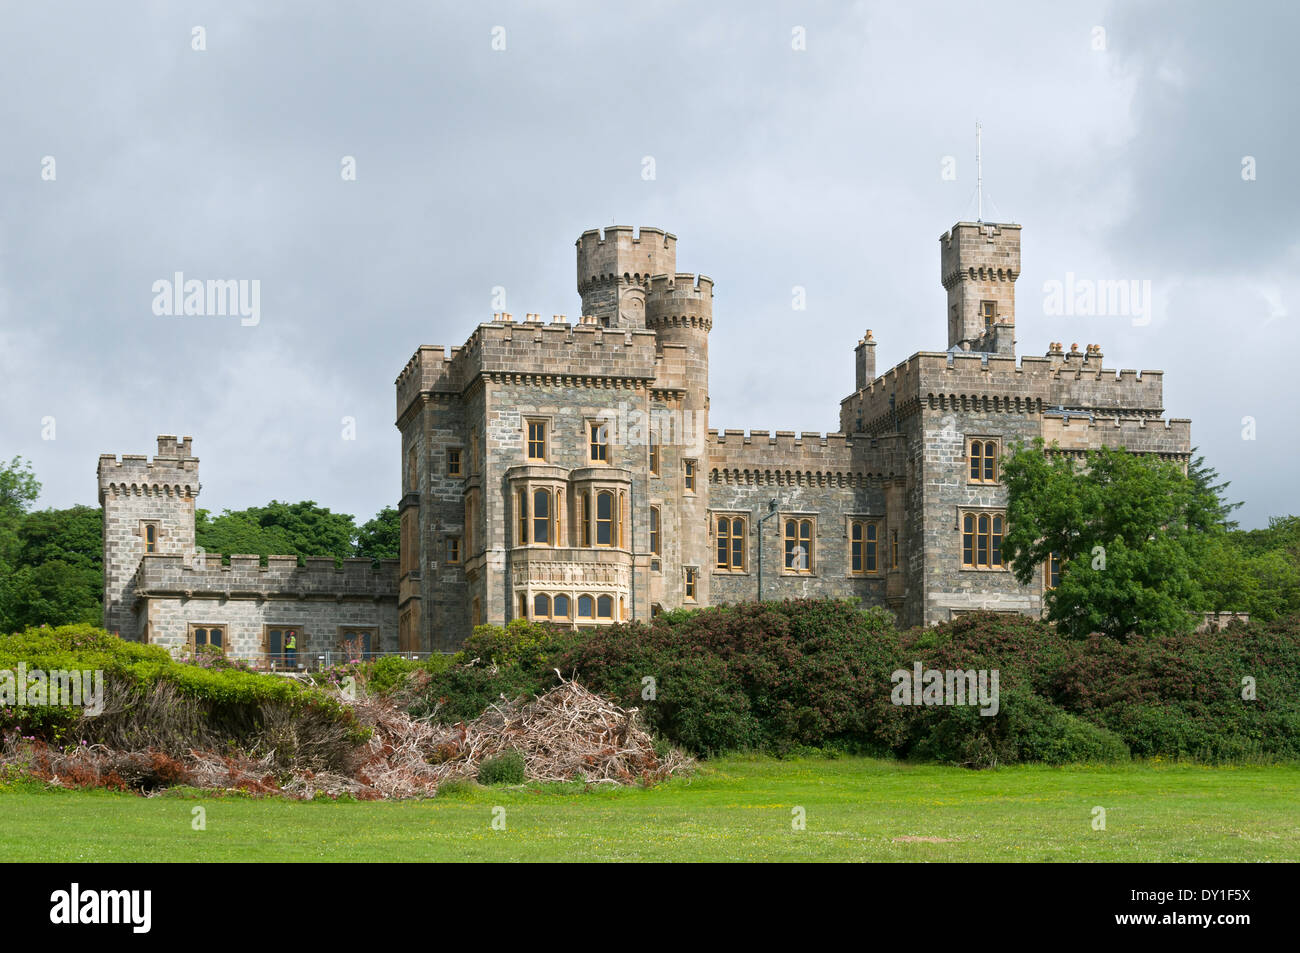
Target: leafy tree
{"points": [[380, 537], [1204, 478], [1127, 529], [74, 535], [301, 529], [19, 489], [52, 593]]}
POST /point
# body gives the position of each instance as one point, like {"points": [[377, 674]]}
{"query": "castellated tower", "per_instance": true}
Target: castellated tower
{"points": [[679, 309], [148, 508], [614, 271], [979, 264]]}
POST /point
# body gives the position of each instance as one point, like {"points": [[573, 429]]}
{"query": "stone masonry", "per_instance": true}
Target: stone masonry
{"points": [[565, 471]]}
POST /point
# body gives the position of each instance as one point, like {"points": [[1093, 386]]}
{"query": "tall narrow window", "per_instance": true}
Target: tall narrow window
{"points": [[990, 309], [584, 517], [470, 514], [151, 537], [521, 504], [536, 440], [893, 549], [542, 516], [598, 442], [690, 476], [410, 471], [799, 545], [856, 542], [622, 508], [983, 457], [654, 454], [654, 531], [523, 606], [1052, 571], [731, 543], [604, 519], [690, 583], [453, 461], [453, 549]]}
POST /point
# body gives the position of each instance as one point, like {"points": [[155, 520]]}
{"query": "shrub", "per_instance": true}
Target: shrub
{"points": [[506, 768]]}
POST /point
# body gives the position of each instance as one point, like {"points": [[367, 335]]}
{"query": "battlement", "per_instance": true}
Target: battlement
{"points": [[1080, 432], [837, 454], [620, 253], [555, 350], [282, 577], [1076, 380], [979, 251], [174, 471], [680, 300]]}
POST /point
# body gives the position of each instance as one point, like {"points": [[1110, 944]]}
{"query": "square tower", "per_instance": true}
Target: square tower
{"points": [[148, 509], [979, 265]]}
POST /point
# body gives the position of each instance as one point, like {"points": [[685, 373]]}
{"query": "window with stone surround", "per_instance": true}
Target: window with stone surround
{"points": [[586, 607], [605, 607], [800, 536], [560, 607], [689, 475], [731, 541], [598, 441], [149, 533], [690, 579], [362, 640], [982, 459], [981, 540], [605, 518], [864, 547], [893, 549], [1052, 571], [655, 539], [989, 310], [453, 462], [453, 550], [203, 635], [654, 453], [537, 440]]}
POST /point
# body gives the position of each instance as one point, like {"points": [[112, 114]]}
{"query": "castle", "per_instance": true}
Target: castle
{"points": [[566, 472]]}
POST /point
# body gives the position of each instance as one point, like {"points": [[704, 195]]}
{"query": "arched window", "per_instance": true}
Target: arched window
{"points": [[605, 607], [541, 516], [799, 545], [976, 459], [561, 607], [731, 543], [586, 607], [541, 606], [981, 540], [983, 456], [604, 519]]}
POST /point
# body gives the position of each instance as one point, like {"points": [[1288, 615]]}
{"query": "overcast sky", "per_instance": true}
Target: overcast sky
{"points": [[478, 167]]}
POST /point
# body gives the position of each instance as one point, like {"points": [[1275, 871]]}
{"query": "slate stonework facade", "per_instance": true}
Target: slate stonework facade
{"points": [[589, 530]]}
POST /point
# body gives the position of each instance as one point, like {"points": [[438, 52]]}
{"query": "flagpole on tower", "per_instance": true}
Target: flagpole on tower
{"points": [[979, 177]]}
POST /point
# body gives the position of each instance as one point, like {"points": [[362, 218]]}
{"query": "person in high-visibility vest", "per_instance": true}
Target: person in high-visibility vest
{"points": [[291, 648]]}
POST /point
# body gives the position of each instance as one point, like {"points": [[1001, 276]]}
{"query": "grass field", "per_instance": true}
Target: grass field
{"points": [[735, 808]]}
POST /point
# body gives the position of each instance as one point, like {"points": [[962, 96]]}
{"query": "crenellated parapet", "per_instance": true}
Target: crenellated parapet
{"points": [[1077, 381], [804, 458], [557, 352], [281, 578], [680, 301], [173, 473]]}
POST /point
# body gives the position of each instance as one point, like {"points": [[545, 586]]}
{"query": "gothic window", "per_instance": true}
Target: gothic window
{"points": [[981, 543], [150, 533], [586, 607], [541, 606], [864, 547], [561, 607], [731, 544], [799, 545], [982, 456], [605, 607]]}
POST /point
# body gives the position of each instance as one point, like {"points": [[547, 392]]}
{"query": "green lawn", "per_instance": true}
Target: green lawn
{"points": [[736, 808]]}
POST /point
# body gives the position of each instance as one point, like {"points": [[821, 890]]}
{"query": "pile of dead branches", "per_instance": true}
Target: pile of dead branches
{"points": [[567, 734]]}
